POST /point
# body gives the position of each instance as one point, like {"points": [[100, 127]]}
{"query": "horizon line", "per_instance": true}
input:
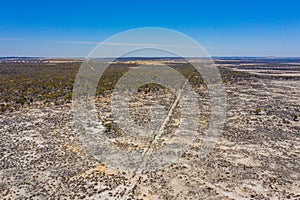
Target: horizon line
{"points": [[108, 57]]}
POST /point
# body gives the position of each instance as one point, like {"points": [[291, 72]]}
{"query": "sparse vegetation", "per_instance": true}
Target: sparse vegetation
{"points": [[258, 111], [43, 155], [24, 84], [295, 117]]}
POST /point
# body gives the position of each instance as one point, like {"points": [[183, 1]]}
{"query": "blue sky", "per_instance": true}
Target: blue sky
{"points": [[225, 28]]}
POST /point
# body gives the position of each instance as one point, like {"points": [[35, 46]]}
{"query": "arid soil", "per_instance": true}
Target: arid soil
{"points": [[256, 156]]}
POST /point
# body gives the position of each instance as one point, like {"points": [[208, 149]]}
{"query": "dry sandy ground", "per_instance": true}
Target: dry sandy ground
{"points": [[256, 157]]}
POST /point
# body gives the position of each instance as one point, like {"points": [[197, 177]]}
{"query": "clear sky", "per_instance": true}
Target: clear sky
{"points": [[225, 28]]}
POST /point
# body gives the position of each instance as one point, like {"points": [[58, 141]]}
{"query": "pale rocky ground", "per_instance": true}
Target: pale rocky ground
{"points": [[256, 157]]}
